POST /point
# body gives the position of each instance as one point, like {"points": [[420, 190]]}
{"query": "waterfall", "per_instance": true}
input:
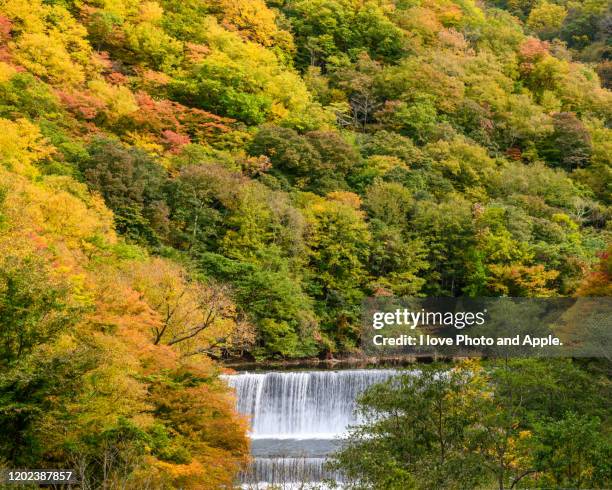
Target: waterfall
{"points": [[279, 471], [308, 405], [295, 418]]}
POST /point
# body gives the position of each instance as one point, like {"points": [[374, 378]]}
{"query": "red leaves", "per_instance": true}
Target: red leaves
{"points": [[170, 123], [178, 124], [533, 49], [530, 52], [5, 29], [117, 78], [599, 281], [5, 35], [514, 153], [174, 141], [81, 104]]}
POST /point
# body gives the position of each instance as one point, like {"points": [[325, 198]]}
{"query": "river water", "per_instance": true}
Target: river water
{"points": [[297, 419]]}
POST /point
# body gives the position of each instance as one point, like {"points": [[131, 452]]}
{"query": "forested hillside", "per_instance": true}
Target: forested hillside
{"points": [[584, 27], [187, 180]]}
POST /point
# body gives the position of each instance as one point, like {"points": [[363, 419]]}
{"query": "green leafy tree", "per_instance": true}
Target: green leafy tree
{"points": [[131, 184], [569, 146], [414, 432], [502, 425]]}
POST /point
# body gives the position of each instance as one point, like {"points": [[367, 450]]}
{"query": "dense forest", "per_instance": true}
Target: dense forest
{"points": [[519, 423], [187, 181]]}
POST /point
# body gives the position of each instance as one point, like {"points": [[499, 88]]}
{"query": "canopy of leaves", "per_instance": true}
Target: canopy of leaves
{"points": [[513, 424], [197, 179]]}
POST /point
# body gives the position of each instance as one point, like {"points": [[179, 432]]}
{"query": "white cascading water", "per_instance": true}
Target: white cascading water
{"points": [[296, 416], [287, 472], [302, 405]]}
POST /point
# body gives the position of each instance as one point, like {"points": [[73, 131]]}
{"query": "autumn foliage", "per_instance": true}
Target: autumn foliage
{"points": [[187, 182]]}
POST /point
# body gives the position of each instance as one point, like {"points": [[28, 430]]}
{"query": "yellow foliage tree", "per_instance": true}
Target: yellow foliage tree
{"points": [[194, 317], [21, 144], [48, 41], [251, 17], [94, 338]]}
